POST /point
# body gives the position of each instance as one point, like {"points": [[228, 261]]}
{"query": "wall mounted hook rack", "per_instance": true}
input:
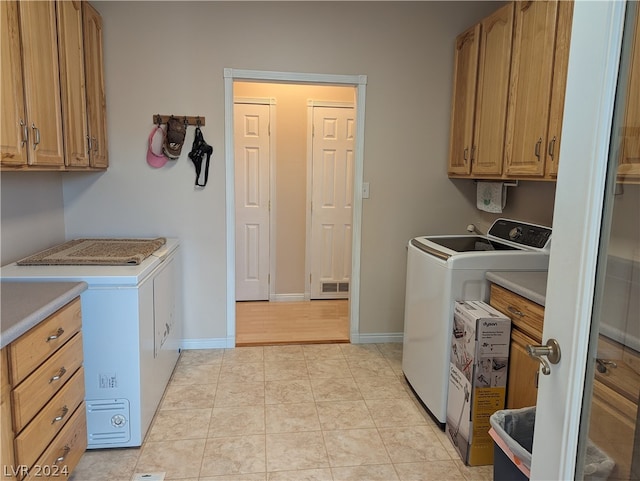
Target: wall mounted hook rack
{"points": [[190, 120]]}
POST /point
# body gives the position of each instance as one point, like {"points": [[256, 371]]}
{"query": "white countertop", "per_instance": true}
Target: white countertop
{"points": [[23, 305], [531, 285]]}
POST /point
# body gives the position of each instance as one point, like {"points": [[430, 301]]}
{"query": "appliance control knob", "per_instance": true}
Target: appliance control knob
{"points": [[118, 421], [515, 233]]}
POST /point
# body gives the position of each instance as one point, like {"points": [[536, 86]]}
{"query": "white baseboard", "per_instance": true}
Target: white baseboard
{"points": [[376, 338], [213, 343], [222, 342], [287, 297]]}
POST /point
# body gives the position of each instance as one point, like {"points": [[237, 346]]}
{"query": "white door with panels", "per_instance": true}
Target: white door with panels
{"points": [[331, 202], [252, 201]]}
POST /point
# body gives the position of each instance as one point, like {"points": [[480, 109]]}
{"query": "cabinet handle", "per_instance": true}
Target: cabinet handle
{"points": [[515, 311], [602, 365], [25, 133], [552, 146], [88, 144], [66, 450], [36, 130], [58, 376], [65, 410], [55, 336], [466, 154], [537, 150]]}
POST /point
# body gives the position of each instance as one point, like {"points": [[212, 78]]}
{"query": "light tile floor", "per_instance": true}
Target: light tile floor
{"points": [[317, 412]]}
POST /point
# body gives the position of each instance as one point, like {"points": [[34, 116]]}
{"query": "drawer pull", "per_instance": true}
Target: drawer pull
{"points": [[515, 311], [55, 336], [65, 410], [58, 376], [66, 450]]}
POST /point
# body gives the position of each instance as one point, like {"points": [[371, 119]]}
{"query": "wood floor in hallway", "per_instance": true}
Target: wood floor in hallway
{"points": [[264, 323]]}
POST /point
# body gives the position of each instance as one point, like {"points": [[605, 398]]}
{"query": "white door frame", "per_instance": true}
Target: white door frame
{"points": [[360, 83], [271, 102], [311, 104]]}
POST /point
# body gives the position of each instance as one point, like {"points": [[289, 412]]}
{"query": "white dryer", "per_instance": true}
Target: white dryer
{"points": [[445, 269]]}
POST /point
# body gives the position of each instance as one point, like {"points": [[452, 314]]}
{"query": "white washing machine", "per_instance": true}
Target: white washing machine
{"points": [[132, 333], [445, 269]]}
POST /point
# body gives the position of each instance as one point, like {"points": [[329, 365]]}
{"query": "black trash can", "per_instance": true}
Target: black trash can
{"points": [[512, 432]]}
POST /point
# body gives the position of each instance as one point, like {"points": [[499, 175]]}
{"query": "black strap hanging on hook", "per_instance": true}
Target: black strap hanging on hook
{"points": [[198, 150]]}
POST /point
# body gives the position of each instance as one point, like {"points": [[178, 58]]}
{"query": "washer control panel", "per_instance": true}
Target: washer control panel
{"points": [[527, 235]]}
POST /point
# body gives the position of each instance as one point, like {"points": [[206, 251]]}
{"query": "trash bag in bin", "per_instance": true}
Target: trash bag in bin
{"points": [[512, 431]]}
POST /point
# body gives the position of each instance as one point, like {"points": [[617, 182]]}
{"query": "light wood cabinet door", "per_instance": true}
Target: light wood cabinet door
{"points": [[522, 384], [42, 82], [559, 87], [96, 98], [464, 100], [487, 154], [13, 134], [72, 80], [629, 166], [6, 430], [530, 87]]}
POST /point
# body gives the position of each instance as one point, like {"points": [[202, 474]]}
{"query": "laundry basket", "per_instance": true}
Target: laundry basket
{"points": [[512, 432]]}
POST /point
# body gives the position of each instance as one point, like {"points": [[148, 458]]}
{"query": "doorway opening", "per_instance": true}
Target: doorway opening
{"points": [[288, 259]]}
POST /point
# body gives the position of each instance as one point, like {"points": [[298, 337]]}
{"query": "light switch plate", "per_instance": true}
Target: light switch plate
{"points": [[365, 190]]}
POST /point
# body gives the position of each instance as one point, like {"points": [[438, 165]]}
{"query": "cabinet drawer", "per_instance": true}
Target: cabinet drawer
{"points": [[34, 392], [64, 453], [38, 434], [524, 314], [37, 344]]}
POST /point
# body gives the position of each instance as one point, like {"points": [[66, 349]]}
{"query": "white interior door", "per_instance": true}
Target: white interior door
{"points": [[331, 202], [578, 228], [252, 201]]}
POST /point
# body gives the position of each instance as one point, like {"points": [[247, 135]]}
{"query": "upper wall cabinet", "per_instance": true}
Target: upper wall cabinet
{"points": [[629, 163], [72, 75], [46, 121], [519, 92], [96, 98], [481, 82], [31, 110], [464, 99]]}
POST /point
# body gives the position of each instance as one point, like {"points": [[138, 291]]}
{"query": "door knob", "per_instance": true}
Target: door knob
{"points": [[550, 351]]}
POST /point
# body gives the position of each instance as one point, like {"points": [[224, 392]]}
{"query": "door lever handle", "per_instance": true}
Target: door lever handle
{"points": [[550, 351]]}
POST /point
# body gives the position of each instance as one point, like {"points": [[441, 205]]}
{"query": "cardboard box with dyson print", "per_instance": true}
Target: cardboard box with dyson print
{"points": [[477, 378]]}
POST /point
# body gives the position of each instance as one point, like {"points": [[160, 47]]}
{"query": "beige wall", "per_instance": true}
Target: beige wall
{"points": [[169, 57], [291, 171], [32, 213]]}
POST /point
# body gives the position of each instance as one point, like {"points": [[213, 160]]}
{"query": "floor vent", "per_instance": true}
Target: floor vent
{"points": [[328, 287]]}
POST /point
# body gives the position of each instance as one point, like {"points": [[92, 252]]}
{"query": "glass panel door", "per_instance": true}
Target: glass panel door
{"points": [[609, 441]]}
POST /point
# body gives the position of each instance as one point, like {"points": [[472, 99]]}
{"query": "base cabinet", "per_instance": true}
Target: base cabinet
{"points": [[44, 431], [614, 407]]}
